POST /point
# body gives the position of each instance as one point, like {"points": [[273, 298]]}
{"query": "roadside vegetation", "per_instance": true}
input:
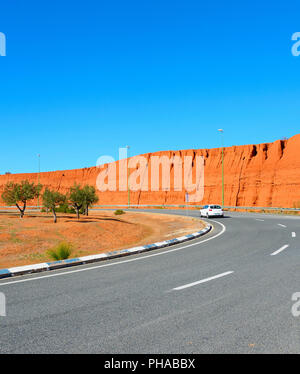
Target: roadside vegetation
{"points": [[89, 198], [51, 199], [119, 212], [28, 240], [78, 200], [19, 194], [81, 199], [61, 251]]}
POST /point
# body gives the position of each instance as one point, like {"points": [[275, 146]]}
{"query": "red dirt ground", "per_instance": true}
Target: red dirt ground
{"points": [[26, 241]]}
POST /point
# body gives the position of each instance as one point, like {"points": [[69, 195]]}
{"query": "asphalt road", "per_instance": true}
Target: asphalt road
{"points": [[228, 292]]}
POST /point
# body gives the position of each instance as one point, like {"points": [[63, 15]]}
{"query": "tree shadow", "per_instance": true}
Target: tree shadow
{"points": [[66, 217], [98, 220]]}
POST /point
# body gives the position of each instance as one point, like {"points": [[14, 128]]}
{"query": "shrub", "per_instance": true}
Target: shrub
{"points": [[119, 211], [61, 251]]}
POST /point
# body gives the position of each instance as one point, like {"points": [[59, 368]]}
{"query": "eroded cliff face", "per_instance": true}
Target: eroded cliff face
{"points": [[266, 175]]}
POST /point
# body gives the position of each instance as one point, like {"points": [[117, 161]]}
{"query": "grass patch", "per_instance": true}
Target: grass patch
{"points": [[61, 251]]}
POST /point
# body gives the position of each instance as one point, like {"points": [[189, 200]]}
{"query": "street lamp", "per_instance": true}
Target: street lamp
{"points": [[128, 187], [39, 159], [222, 143]]}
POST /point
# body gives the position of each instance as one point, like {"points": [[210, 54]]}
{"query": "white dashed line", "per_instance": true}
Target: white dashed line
{"points": [[293, 234], [202, 281], [279, 250], [279, 224]]}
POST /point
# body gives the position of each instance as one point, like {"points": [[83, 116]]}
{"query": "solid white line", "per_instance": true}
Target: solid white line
{"points": [[293, 234], [202, 281], [257, 219], [279, 224], [279, 250], [118, 262]]}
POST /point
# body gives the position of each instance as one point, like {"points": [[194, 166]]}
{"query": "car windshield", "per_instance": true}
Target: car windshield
{"points": [[215, 207]]}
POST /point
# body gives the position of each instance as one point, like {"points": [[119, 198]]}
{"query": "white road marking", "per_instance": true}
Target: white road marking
{"points": [[293, 234], [257, 219], [279, 250], [202, 281], [118, 262], [279, 224]]}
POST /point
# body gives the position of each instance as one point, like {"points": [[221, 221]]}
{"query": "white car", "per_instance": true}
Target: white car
{"points": [[211, 210]]}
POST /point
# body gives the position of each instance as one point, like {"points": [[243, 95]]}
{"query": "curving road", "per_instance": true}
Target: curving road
{"points": [[228, 292]]}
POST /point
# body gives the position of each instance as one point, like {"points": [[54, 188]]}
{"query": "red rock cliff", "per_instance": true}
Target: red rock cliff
{"points": [[255, 175]]}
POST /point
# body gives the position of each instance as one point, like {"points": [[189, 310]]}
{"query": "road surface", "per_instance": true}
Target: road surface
{"points": [[227, 292]]}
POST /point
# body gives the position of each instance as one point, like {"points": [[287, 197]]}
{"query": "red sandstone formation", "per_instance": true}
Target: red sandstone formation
{"points": [[266, 175]]}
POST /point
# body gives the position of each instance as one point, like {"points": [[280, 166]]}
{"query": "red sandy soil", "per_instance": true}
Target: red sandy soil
{"points": [[265, 175], [26, 241]]}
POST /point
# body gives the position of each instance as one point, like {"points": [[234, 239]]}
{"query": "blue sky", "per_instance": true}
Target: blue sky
{"points": [[83, 78]]}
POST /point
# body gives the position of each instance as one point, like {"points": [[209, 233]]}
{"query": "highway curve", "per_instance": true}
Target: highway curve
{"points": [[228, 292]]}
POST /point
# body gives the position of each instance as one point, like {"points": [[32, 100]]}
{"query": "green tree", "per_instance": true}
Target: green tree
{"points": [[90, 198], [81, 198], [51, 199], [20, 193], [76, 198]]}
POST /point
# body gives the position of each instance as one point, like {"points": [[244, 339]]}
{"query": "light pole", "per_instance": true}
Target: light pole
{"points": [[39, 158], [222, 143], [128, 187]]}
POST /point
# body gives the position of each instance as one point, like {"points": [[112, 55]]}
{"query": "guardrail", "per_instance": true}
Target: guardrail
{"points": [[195, 206], [262, 208], [162, 206]]}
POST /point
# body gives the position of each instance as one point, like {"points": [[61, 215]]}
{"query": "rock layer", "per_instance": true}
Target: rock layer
{"points": [[265, 175]]}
